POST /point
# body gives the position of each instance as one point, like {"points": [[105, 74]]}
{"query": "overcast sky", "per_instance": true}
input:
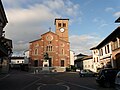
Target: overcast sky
{"points": [[90, 21]]}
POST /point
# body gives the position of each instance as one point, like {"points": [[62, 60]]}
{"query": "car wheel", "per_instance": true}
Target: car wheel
{"points": [[81, 75], [107, 84]]}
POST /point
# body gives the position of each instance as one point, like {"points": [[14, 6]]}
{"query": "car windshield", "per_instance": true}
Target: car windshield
{"points": [[118, 74]]}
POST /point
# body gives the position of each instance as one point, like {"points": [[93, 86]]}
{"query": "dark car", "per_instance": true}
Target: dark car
{"points": [[117, 81], [106, 77], [87, 72]]}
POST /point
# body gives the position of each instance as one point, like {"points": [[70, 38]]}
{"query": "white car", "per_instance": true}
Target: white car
{"points": [[117, 81]]}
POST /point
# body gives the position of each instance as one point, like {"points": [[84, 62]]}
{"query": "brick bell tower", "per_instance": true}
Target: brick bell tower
{"points": [[62, 28]]}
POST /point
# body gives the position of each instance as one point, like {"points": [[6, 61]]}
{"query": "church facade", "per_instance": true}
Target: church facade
{"points": [[53, 48]]}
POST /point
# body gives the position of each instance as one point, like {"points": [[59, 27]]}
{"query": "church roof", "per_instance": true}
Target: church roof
{"points": [[49, 32], [35, 40]]}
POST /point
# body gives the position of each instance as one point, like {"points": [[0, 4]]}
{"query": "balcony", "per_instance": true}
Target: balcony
{"points": [[5, 46]]}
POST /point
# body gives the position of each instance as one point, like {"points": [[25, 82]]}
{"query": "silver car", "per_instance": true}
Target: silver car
{"points": [[87, 72], [117, 81]]}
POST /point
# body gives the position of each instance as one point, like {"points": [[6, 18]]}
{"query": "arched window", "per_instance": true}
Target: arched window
{"points": [[49, 48], [36, 51], [64, 24], [62, 51]]}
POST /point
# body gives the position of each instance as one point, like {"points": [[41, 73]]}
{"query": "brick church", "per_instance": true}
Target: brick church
{"points": [[53, 48]]}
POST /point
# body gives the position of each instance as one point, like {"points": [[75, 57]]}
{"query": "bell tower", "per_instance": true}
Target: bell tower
{"points": [[62, 28]]}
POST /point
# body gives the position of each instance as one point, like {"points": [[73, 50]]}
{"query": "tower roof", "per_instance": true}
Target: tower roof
{"points": [[60, 19]]}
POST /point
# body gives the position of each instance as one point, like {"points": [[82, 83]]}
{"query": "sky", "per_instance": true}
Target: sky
{"points": [[90, 21]]}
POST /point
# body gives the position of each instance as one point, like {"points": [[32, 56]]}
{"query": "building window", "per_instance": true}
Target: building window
{"points": [[64, 24], [62, 63], [105, 50], [59, 24], [96, 51], [97, 59], [17, 61], [119, 42], [49, 48], [92, 66], [94, 59], [108, 50], [62, 51], [36, 51], [101, 52], [114, 44]]}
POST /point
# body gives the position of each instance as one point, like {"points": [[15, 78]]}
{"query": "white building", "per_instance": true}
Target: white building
{"points": [[72, 57], [88, 63], [96, 58], [26, 57], [17, 60], [102, 55]]}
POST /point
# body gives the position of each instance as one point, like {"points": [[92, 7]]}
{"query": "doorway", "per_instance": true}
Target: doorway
{"points": [[117, 60], [50, 62], [36, 63]]}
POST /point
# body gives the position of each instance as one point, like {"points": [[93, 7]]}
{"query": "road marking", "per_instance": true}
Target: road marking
{"points": [[5, 76], [30, 84], [33, 76], [61, 83], [67, 87], [88, 88], [41, 84]]}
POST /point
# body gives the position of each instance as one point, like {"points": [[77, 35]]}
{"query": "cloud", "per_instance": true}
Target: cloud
{"points": [[109, 9], [100, 22], [36, 13], [28, 19], [83, 43], [117, 14]]}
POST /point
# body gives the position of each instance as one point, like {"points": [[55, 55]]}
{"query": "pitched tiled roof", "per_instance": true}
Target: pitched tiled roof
{"points": [[118, 20], [3, 12]]}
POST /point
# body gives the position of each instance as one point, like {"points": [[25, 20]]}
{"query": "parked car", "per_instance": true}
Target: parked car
{"points": [[117, 81], [87, 72], [106, 77]]}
